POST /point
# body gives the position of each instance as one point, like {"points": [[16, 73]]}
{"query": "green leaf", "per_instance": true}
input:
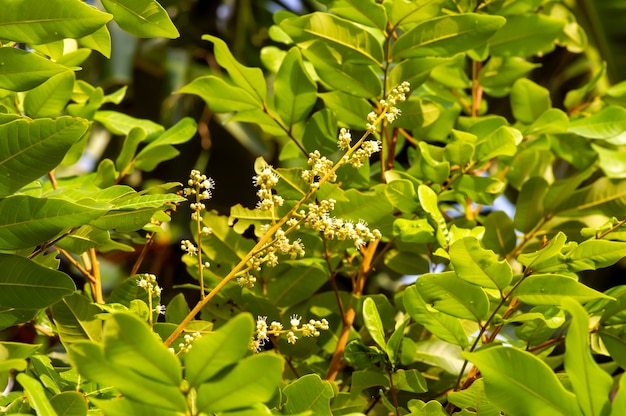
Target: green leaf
{"points": [[612, 162], [521, 384], [293, 281], [429, 202], [26, 221], [409, 380], [480, 189], [129, 342], [237, 389], [413, 231], [351, 111], [551, 121], [135, 136], [215, 351], [607, 123], [75, 319], [92, 363], [179, 133], [592, 385], [27, 285], [220, 96], [309, 393], [502, 72], [121, 124], [442, 325], [402, 195], [250, 79], [529, 210], [547, 257], [449, 294], [549, 289], [367, 12], [529, 100], [142, 18], [38, 144], [37, 23], [499, 233], [373, 323], [474, 397], [349, 77], [22, 71], [605, 196], [70, 403], [514, 38], [447, 35], [478, 266], [36, 395], [501, 142], [100, 41], [320, 134], [49, 99], [595, 254], [415, 71], [344, 37], [295, 92]]}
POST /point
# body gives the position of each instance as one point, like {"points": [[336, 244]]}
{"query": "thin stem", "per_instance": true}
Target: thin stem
{"points": [[96, 285], [142, 255], [76, 264], [350, 314]]}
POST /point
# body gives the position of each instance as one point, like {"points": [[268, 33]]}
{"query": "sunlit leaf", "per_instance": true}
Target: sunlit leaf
{"points": [[37, 23], [447, 35], [142, 18], [479, 266], [30, 149], [549, 289], [521, 384], [311, 393], [592, 385]]}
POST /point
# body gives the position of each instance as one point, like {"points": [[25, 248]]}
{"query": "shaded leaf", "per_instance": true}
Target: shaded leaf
{"points": [[295, 92], [514, 38], [26, 285]]}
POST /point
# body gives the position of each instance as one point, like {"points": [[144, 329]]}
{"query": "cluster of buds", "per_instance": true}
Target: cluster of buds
{"points": [[148, 282], [187, 343], [389, 110], [201, 187], [266, 180], [319, 219], [320, 167], [281, 245], [263, 330]]}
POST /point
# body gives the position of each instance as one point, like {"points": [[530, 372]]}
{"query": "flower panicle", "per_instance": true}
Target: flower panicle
{"points": [[264, 330]]}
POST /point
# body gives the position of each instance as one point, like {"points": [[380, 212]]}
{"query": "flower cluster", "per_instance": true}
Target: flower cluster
{"points": [[266, 180], [188, 342], [367, 149], [389, 111], [201, 187], [281, 245], [148, 282], [320, 167], [263, 330], [319, 219]]}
